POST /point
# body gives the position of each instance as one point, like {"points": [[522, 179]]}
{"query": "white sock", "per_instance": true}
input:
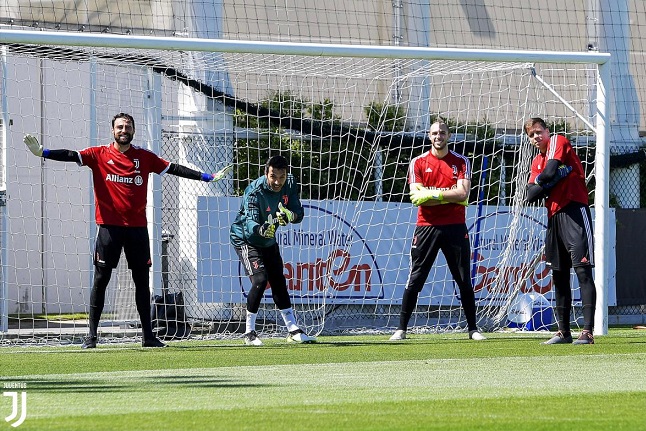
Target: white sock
{"points": [[251, 322], [290, 320]]}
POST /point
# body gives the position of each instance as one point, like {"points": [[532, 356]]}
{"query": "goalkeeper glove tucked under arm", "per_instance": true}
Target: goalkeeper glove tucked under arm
{"points": [[34, 146], [419, 196], [561, 172], [284, 215]]}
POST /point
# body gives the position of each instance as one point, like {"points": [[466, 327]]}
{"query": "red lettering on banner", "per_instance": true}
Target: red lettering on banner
{"points": [[486, 276], [321, 273]]}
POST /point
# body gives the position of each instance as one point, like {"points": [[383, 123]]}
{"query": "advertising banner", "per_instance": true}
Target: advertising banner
{"points": [[358, 252]]}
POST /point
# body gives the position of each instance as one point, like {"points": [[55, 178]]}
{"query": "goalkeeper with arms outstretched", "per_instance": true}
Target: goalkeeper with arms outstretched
{"points": [[440, 181], [120, 173], [557, 175], [271, 200]]}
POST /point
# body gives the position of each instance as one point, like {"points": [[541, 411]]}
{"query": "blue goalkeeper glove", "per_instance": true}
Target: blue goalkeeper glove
{"points": [[34, 146], [218, 175], [562, 172], [284, 216], [419, 196]]}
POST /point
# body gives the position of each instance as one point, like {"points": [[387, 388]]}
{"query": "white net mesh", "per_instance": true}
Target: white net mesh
{"points": [[349, 128]]}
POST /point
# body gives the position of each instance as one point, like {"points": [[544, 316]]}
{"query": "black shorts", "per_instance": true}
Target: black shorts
{"points": [[134, 241], [428, 241], [259, 259], [568, 240]]}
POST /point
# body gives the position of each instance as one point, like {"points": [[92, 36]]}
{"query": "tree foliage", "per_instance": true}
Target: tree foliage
{"points": [[333, 165]]}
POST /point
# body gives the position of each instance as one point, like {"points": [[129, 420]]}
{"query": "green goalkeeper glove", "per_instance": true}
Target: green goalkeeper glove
{"points": [[284, 215], [267, 230], [218, 175], [34, 146], [419, 196], [222, 173]]}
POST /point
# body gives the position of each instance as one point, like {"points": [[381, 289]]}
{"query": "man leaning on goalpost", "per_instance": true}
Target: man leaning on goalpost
{"points": [[557, 176], [120, 173]]}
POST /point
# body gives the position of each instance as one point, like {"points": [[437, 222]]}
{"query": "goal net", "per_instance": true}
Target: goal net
{"points": [[349, 126]]}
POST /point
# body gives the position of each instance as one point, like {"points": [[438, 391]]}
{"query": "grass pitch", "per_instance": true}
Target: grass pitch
{"points": [[428, 382]]}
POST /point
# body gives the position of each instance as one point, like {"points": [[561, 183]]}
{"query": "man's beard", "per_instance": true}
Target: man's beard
{"points": [[119, 139]]}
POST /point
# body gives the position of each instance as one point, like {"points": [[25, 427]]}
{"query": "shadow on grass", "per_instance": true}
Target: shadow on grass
{"points": [[101, 385], [202, 381], [76, 385]]}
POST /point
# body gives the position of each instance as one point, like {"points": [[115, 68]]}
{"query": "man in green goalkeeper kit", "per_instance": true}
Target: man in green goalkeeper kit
{"points": [[120, 172], [440, 181], [273, 199]]}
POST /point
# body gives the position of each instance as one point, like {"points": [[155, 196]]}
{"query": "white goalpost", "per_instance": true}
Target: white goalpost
{"points": [[330, 110]]}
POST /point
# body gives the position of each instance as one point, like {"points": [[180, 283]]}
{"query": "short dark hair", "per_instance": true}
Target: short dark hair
{"points": [[535, 120], [441, 124], [276, 162], [123, 115]]}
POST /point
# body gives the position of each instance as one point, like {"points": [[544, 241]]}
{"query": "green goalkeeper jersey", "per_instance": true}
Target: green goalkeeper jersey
{"points": [[259, 202]]}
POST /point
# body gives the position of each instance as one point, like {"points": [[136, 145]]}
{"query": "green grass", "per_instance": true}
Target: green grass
{"points": [[429, 382]]}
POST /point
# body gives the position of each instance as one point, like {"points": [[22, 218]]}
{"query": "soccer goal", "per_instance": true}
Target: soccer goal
{"points": [[348, 118]]}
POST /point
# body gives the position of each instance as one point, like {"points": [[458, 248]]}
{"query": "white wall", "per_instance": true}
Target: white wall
{"points": [[48, 203]]}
